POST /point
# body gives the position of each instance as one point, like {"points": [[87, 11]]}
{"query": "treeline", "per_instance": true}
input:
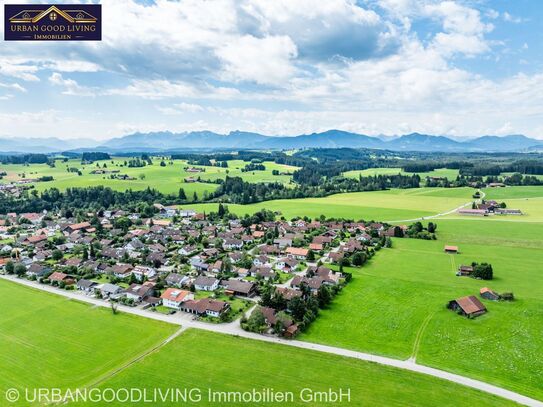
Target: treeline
{"points": [[95, 156], [25, 159], [88, 199], [530, 167]]}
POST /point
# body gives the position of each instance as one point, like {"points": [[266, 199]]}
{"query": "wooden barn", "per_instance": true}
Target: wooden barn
{"points": [[469, 306]]}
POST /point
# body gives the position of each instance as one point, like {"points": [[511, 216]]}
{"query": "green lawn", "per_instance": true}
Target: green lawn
{"points": [[49, 341], [205, 360], [401, 295]]}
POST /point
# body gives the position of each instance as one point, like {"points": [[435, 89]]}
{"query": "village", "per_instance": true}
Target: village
{"points": [[180, 261]]}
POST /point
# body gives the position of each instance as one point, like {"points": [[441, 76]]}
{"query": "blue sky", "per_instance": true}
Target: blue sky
{"points": [[284, 67]]}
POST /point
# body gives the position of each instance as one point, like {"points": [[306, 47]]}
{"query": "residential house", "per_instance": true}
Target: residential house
{"points": [[204, 283], [174, 297]]}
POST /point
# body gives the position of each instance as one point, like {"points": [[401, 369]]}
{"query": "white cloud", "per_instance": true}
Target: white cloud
{"points": [[262, 60], [70, 86]]}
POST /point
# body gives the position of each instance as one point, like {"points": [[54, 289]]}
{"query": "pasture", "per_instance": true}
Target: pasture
{"points": [[395, 305], [167, 179], [395, 204], [439, 172], [226, 363], [48, 340]]}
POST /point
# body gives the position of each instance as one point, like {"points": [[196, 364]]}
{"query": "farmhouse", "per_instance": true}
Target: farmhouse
{"points": [[472, 212], [451, 249], [469, 306]]}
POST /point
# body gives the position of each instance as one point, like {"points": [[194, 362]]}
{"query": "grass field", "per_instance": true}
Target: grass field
{"points": [[440, 172], [396, 305], [48, 341], [166, 179], [393, 204], [224, 363]]}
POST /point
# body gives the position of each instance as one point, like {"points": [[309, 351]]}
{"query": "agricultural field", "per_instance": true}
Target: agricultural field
{"points": [[395, 204], [166, 179], [49, 341], [395, 305], [439, 172], [238, 364]]}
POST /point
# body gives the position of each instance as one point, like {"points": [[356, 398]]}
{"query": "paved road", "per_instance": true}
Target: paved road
{"points": [[233, 328]]}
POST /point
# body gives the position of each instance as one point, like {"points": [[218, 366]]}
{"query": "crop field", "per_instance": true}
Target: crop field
{"points": [[396, 304], [49, 341], [166, 179], [396, 204], [439, 172]]}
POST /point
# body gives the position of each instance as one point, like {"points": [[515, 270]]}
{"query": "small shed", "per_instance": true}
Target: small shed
{"points": [[489, 294], [451, 249]]}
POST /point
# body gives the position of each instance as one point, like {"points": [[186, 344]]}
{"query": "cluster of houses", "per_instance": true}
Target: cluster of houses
{"points": [[487, 208], [178, 260]]}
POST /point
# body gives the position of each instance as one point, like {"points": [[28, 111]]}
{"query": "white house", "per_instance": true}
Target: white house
{"points": [[174, 298]]}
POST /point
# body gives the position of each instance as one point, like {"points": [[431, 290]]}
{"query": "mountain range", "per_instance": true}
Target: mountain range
{"points": [[207, 140]]}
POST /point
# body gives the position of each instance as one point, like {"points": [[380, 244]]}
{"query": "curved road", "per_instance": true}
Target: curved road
{"points": [[233, 328]]}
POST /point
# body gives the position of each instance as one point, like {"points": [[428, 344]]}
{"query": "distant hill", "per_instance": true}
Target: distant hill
{"points": [[208, 140]]}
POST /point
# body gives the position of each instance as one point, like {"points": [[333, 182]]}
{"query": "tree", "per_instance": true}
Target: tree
{"points": [[20, 269], [432, 227], [10, 267], [359, 258], [324, 296], [85, 254], [181, 195], [483, 271], [310, 255], [57, 255]]}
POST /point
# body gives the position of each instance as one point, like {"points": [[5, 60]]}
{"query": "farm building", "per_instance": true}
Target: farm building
{"points": [[488, 294], [464, 270], [469, 306], [451, 249]]}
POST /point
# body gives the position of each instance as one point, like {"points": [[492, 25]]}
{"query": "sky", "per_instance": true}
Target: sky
{"points": [[461, 68]]}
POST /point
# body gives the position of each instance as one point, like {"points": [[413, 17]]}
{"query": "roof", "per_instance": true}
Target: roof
{"points": [[297, 251], [205, 281], [57, 276], [174, 294], [86, 283], [451, 248], [470, 304], [78, 226], [239, 286]]}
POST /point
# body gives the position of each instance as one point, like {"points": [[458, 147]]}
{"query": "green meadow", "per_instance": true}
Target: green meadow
{"points": [[166, 179], [395, 305], [395, 204], [49, 341], [439, 172], [205, 360]]}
